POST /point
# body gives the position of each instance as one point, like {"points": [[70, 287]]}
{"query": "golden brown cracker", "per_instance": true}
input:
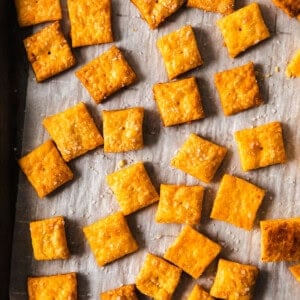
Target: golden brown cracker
{"points": [[198, 293], [61, 286], [199, 158], [293, 67], [238, 89], [280, 240], [48, 239], [180, 204], [73, 131], [90, 22], [260, 146], [290, 7], [110, 238], [234, 280], [106, 74], [295, 270], [132, 187], [155, 12], [178, 101], [221, 6], [123, 129], [237, 202], [32, 12], [157, 278], [125, 292], [179, 51], [243, 29], [45, 169], [192, 251], [48, 52]]}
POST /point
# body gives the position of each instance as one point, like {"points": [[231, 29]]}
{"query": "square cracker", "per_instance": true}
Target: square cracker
{"points": [[106, 74], [243, 29], [238, 89], [295, 270], [260, 146], [192, 252], [178, 101], [48, 239], [48, 52], [132, 187], [234, 280], [45, 169], [123, 129], [290, 7], [125, 292], [293, 67], [179, 51], [237, 202], [180, 204], [280, 240], [199, 293], [32, 12], [157, 278], [61, 286], [90, 22], [199, 158], [73, 131], [110, 238], [155, 12], [221, 6]]}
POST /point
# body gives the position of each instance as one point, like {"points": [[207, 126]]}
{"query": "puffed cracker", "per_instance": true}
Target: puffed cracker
{"points": [[198, 293], [132, 187], [154, 12], [157, 278], [48, 239], [237, 202], [260, 146], [192, 251], [243, 29], [123, 129], [32, 12], [125, 292], [90, 22], [295, 270], [61, 286], [238, 89], [73, 131], [290, 7], [178, 101], [45, 169], [48, 52], [110, 238], [280, 240], [221, 6], [180, 204], [293, 67], [106, 74], [199, 158], [234, 280], [179, 51]]}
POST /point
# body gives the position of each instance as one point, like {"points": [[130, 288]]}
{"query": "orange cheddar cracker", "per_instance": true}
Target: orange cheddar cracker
{"points": [[48, 52], [125, 292], [157, 278], [243, 28], [62, 286], [178, 101], [110, 238], [221, 6], [45, 169], [48, 239], [198, 293]]}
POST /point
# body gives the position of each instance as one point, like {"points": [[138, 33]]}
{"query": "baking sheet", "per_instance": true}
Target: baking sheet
{"points": [[87, 198]]}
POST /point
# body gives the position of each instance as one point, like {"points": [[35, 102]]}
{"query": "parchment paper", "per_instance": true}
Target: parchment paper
{"points": [[87, 198]]}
